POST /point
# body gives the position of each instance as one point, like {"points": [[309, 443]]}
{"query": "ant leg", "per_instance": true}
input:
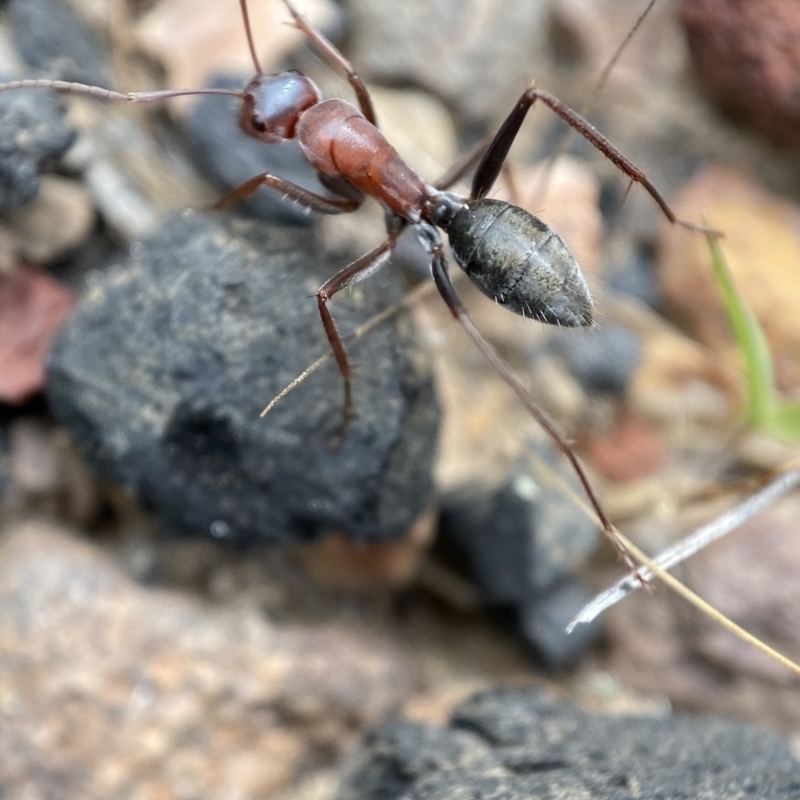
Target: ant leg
{"points": [[493, 159], [314, 202], [511, 184], [463, 165], [353, 273], [331, 54], [430, 237]]}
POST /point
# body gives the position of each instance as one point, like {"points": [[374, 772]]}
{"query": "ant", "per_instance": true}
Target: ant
{"points": [[512, 256]]}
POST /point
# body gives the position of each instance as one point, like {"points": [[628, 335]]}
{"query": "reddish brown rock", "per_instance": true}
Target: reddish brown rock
{"points": [[631, 449], [109, 689], [32, 307], [747, 57]]}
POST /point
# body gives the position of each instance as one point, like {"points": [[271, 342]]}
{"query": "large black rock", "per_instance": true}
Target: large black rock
{"points": [[517, 745], [170, 356]]}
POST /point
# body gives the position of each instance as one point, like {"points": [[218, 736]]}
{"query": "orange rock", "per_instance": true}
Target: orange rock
{"points": [[762, 248], [32, 307], [338, 560]]}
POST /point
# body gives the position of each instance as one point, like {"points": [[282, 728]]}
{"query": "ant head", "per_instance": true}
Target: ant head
{"points": [[273, 104]]}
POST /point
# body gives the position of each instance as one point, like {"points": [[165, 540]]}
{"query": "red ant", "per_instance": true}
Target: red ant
{"points": [[511, 255]]}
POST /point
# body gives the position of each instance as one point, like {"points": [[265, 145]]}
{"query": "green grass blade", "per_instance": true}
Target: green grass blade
{"points": [[784, 422], [752, 343], [763, 410]]}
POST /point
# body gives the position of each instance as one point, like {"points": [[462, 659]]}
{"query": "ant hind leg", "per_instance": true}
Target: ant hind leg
{"points": [[496, 154], [464, 164]]}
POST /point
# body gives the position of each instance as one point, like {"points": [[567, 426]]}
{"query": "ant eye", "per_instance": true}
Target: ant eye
{"points": [[258, 124]]}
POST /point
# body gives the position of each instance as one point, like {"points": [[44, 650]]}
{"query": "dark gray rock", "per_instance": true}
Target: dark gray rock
{"points": [[542, 623], [495, 553], [637, 278], [516, 744], [394, 756], [602, 360], [56, 43], [517, 541], [163, 369], [32, 132], [522, 547], [228, 158]]}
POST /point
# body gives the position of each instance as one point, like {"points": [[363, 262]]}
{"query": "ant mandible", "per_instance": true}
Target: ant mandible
{"points": [[512, 256]]}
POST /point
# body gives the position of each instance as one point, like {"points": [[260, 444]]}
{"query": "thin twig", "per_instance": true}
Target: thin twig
{"points": [[701, 538]]}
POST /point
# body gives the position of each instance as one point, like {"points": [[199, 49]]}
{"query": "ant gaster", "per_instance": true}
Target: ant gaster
{"points": [[512, 256]]}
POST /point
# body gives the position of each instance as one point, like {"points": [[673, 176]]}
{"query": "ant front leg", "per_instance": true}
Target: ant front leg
{"points": [[353, 273], [496, 154], [330, 53]]}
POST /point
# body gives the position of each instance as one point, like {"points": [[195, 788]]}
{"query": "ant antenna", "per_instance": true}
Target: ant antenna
{"points": [[108, 94], [249, 32]]}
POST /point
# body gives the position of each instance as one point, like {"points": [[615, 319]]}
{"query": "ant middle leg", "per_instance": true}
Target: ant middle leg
{"points": [[495, 155], [330, 53], [455, 173]]}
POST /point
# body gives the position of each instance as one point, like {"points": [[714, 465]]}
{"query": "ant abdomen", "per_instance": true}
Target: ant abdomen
{"points": [[517, 260]]}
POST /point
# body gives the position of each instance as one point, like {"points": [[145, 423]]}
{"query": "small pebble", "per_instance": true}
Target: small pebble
{"points": [[56, 222], [542, 624], [477, 62], [32, 133], [636, 278], [56, 43], [603, 360], [521, 547], [33, 306]]}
